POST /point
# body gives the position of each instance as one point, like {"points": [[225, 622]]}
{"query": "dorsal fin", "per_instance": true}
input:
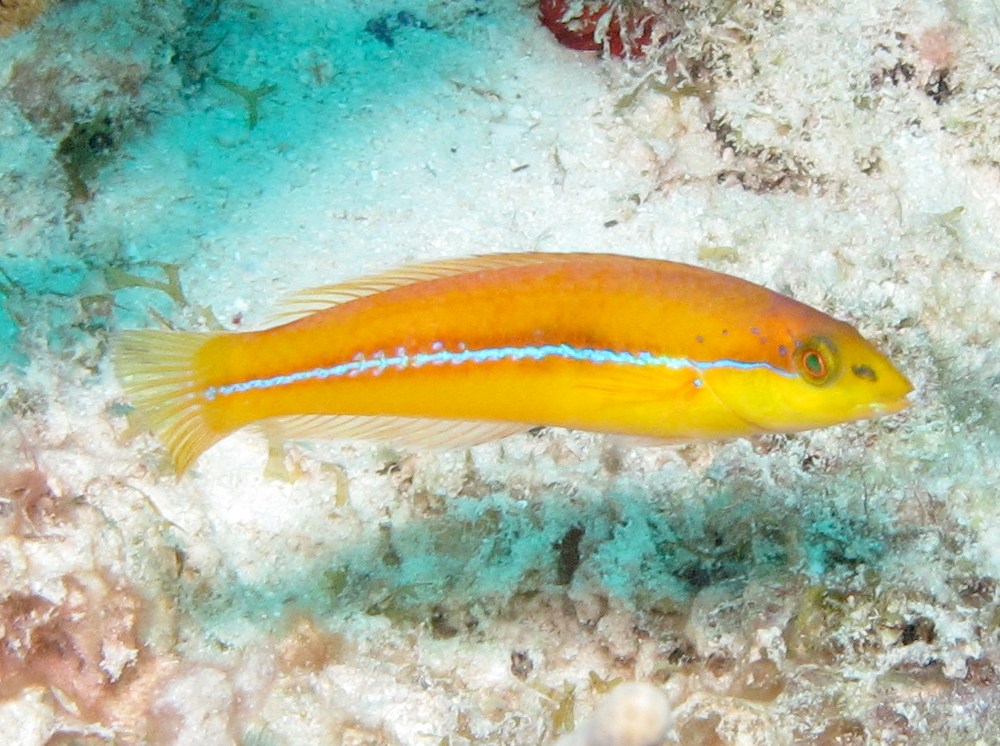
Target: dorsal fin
{"points": [[310, 300]]}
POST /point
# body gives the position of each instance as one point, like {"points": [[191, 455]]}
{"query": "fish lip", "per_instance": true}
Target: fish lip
{"points": [[883, 408]]}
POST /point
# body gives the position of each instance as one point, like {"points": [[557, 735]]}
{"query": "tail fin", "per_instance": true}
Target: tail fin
{"points": [[157, 372]]}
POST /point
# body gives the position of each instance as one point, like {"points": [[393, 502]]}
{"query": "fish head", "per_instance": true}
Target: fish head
{"points": [[826, 376]]}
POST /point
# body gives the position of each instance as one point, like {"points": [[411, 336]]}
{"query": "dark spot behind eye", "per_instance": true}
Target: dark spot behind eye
{"points": [[865, 372]]}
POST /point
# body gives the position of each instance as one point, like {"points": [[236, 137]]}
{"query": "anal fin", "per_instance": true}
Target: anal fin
{"points": [[408, 432]]}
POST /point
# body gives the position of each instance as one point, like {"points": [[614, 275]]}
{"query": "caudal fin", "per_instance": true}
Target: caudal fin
{"points": [[157, 372]]}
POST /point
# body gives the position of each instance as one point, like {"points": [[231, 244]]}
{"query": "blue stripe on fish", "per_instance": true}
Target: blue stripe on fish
{"points": [[401, 360]]}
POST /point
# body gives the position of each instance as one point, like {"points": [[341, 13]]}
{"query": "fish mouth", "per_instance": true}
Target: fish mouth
{"points": [[895, 396], [883, 408]]}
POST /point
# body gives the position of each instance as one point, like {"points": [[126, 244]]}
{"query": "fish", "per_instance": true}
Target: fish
{"points": [[459, 352]]}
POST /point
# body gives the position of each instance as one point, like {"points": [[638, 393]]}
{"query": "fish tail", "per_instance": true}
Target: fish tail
{"points": [[158, 373]]}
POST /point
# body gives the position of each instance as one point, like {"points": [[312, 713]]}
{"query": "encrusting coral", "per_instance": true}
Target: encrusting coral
{"points": [[16, 14]]}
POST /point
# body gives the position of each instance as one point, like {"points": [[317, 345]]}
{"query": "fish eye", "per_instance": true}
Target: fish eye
{"points": [[816, 361]]}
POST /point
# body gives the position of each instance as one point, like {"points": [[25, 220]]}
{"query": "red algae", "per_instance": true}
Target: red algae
{"points": [[626, 30], [85, 648]]}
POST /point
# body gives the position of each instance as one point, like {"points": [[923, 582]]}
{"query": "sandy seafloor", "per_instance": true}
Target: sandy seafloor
{"points": [[832, 587]]}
